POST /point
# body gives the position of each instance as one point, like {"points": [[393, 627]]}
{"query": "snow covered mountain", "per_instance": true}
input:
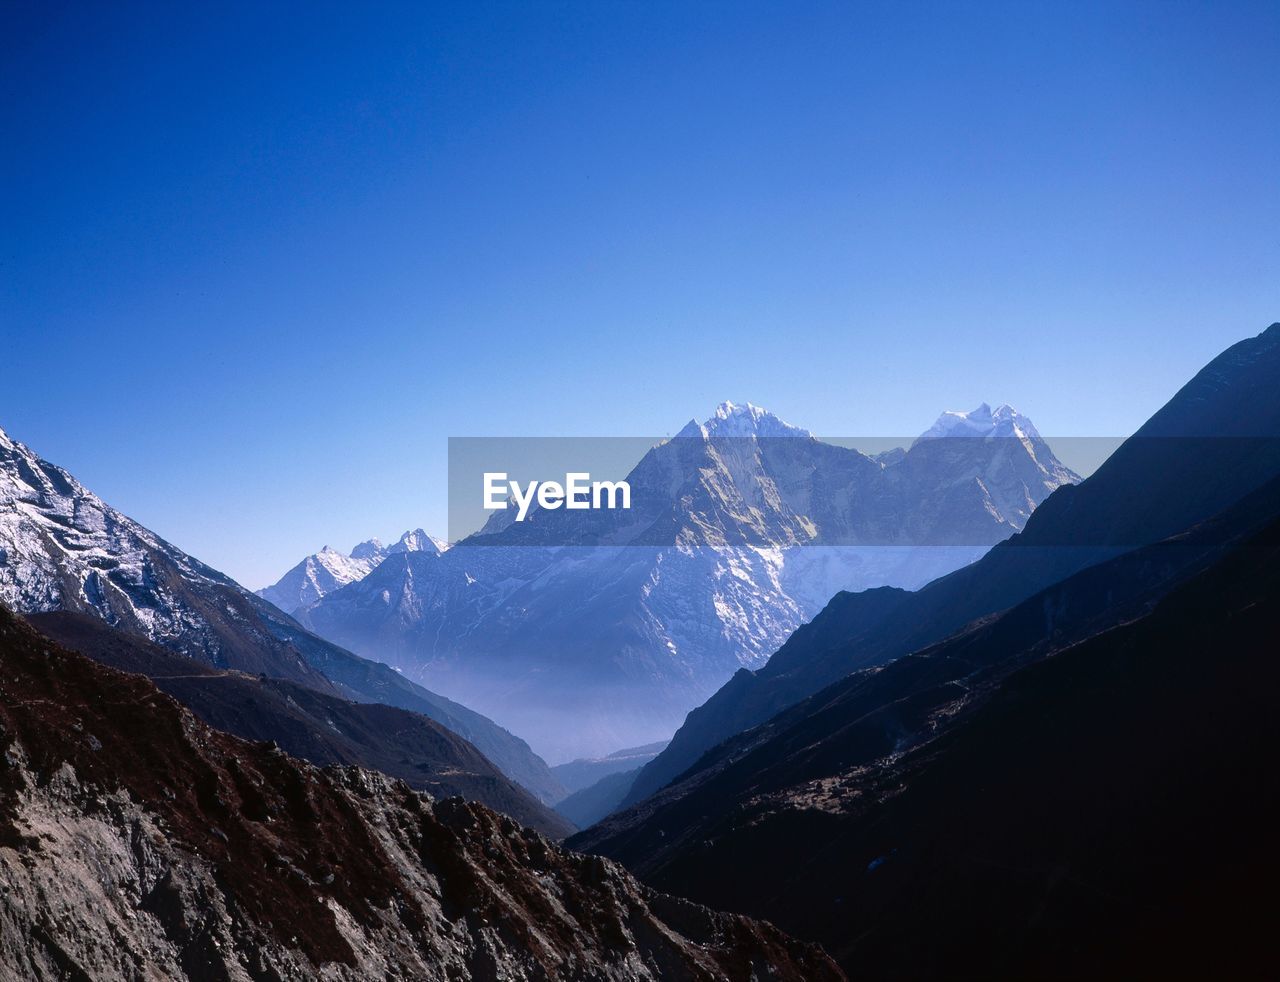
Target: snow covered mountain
{"points": [[983, 422], [587, 630], [327, 570], [414, 541], [320, 573], [63, 548]]}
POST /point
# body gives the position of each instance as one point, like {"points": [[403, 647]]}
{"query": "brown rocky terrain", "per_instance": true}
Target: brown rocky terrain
{"points": [[317, 727], [136, 842]]}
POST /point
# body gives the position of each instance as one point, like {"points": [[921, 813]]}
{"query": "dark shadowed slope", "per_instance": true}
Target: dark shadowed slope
{"points": [[369, 681], [588, 805], [586, 771], [319, 728], [1002, 805], [136, 841], [1216, 440], [879, 710]]}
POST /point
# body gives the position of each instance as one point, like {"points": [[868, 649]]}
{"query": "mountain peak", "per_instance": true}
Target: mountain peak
{"points": [[1003, 421], [418, 541], [369, 549], [743, 420], [743, 411], [727, 409]]}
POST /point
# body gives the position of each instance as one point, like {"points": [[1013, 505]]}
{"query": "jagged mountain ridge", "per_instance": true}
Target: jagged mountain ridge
{"points": [[320, 573], [1217, 439], [136, 841], [588, 630], [327, 570], [63, 548]]}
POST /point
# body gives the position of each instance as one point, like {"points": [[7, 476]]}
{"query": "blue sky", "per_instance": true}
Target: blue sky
{"points": [[258, 264]]}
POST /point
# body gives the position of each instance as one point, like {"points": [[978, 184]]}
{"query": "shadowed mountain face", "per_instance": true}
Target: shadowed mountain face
{"points": [[63, 548], [589, 630], [584, 772], [598, 785], [311, 725], [1083, 785], [588, 805], [135, 840], [1214, 442]]}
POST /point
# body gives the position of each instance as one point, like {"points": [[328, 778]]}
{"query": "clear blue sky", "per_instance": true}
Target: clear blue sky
{"points": [[260, 261]]}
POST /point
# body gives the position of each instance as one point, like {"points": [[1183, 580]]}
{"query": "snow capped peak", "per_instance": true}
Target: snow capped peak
{"points": [[318, 574], [1004, 421], [747, 420], [369, 549], [745, 412], [727, 409], [327, 570], [418, 541], [5, 442]]}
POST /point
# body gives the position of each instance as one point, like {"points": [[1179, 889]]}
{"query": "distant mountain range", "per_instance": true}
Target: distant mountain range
{"points": [[1055, 760], [327, 570], [589, 630], [64, 549], [1030, 767]]}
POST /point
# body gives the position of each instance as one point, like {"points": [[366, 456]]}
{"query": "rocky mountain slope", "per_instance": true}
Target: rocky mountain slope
{"points": [[327, 570], [137, 842], [587, 630], [1215, 441], [63, 548], [1048, 793], [316, 727]]}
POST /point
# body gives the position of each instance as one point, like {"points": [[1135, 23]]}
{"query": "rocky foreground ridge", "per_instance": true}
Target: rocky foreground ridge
{"points": [[137, 842]]}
